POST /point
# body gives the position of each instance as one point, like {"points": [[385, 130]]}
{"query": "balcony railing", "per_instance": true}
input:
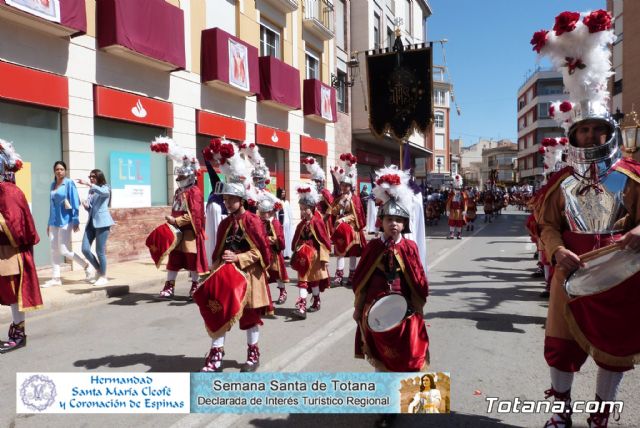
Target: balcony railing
{"points": [[319, 18]]}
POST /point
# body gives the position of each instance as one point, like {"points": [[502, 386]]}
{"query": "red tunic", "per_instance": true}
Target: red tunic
{"points": [[314, 233], [277, 269], [456, 209], [403, 348], [324, 206], [21, 235], [195, 208]]}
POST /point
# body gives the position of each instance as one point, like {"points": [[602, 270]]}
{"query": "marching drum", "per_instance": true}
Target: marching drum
{"points": [[302, 259], [387, 312], [605, 268], [342, 237], [162, 240]]}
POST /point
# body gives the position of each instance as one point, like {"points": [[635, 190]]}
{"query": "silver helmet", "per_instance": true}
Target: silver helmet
{"points": [[392, 189]]}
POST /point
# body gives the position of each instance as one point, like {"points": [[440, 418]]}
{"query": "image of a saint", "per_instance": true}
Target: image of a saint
{"points": [[238, 65]]}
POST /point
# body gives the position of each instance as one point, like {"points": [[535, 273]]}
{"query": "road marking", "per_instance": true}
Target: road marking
{"points": [[455, 247], [293, 360]]}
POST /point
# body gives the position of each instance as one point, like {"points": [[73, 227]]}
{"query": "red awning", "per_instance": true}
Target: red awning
{"points": [[151, 28], [314, 146], [33, 86], [220, 126], [319, 100], [132, 107], [227, 59], [279, 83]]}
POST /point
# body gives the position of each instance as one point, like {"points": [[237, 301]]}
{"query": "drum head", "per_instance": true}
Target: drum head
{"points": [[602, 273], [387, 312]]}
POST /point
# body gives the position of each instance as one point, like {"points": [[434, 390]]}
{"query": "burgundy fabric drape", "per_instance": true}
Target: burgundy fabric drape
{"points": [[153, 28], [279, 82], [313, 99], [73, 14], [214, 58]]}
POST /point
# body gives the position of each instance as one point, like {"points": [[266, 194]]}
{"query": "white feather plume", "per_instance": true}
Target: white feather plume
{"points": [[401, 193]]}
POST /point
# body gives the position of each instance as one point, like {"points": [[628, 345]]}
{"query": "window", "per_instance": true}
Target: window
{"points": [[341, 92], [617, 87], [439, 97], [312, 66], [439, 142], [543, 110], [391, 38], [269, 40], [407, 16], [340, 24], [454, 168], [376, 31], [439, 119]]}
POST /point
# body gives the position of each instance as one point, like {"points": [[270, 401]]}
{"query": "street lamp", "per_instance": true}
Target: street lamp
{"points": [[439, 163], [348, 80], [630, 128]]}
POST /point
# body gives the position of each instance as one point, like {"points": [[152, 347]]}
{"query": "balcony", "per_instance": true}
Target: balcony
{"points": [[284, 6], [319, 101], [279, 83], [69, 20], [319, 18], [145, 31], [229, 63]]}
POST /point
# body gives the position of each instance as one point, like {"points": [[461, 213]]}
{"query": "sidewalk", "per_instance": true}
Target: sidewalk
{"points": [[124, 277]]}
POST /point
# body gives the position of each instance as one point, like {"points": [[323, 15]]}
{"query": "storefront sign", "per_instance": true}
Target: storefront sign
{"points": [[313, 145], [33, 86], [47, 9], [217, 125], [272, 137], [369, 158], [132, 107], [130, 179]]}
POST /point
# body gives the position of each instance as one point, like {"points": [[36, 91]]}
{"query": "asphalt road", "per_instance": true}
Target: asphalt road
{"points": [[484, 316]]}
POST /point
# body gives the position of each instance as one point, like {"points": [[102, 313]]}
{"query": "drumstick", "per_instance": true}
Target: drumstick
{"points": [[600, 252]]}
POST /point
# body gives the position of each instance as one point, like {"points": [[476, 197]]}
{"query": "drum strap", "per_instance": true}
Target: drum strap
{"points": [[391, 264]]}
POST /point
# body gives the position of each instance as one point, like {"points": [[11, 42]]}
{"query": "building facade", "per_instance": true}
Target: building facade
{"points": [[501, 160], [534, 123], [372, 24], [626, 55], [93, 83], [440, 165]]}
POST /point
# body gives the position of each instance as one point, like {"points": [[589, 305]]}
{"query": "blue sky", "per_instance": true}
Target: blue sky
{"points": [[489, 55]]}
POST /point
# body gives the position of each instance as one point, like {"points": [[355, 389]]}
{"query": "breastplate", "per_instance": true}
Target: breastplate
{"points": [[593, 212]]}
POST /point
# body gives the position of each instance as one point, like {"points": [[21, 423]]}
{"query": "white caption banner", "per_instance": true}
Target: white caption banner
{"points": [[103, 393]]}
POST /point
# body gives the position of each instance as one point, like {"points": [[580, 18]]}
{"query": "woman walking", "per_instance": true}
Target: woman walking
{"points": [[99, 224], [63, 220]]}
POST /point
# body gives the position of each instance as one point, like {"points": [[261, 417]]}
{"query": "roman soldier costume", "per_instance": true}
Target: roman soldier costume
{"points": [[311, 252], [472, 209], [187, 215], [587, 205], [457, 207], [235, 291], [348, 237], [391, 276], [19, 287], [326, 198], [268, 205]]}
